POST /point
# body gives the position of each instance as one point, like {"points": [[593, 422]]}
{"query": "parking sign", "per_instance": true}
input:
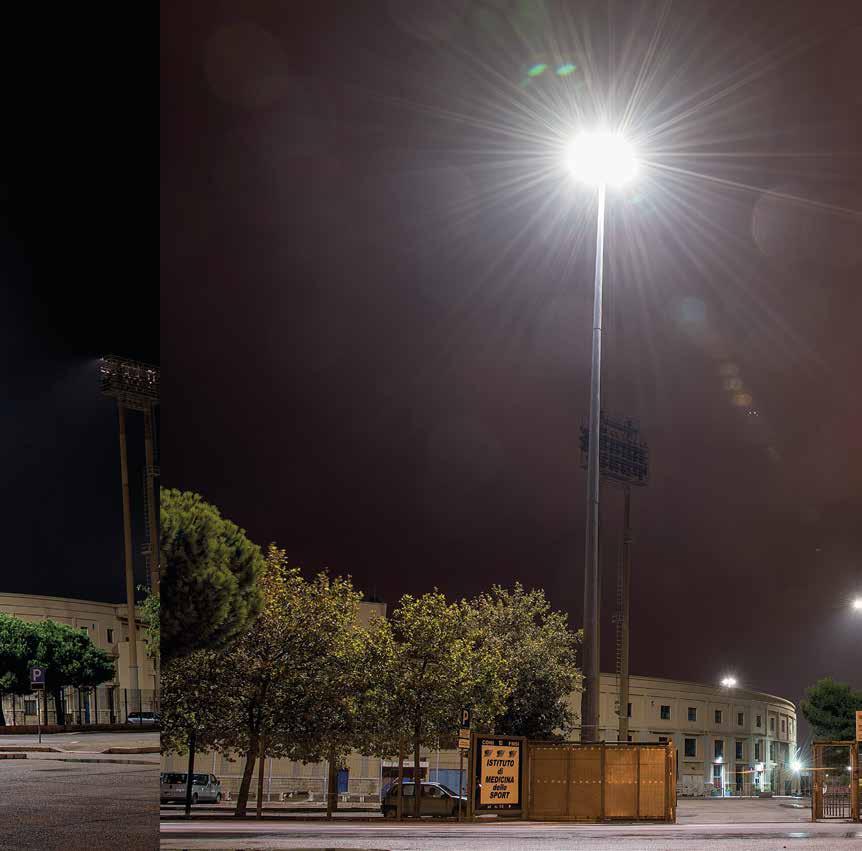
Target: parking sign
{"points": [[37, 677]]}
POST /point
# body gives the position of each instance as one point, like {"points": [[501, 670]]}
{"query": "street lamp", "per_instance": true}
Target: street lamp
{"points": [[600, 159]]}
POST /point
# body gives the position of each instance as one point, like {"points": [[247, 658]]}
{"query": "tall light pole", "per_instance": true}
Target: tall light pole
{"points": [[600, 159], [135, 386]]}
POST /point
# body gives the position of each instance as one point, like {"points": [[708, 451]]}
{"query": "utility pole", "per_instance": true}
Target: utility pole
{"points": [[622, 459], [135, 386], [134, 683], [624, 616]]}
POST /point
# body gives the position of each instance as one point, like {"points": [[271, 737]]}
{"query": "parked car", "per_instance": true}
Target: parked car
{"points": [[206, 788], [145, 718], [437, 800]]}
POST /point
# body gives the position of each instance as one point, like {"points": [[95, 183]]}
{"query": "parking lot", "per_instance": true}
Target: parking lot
{"points": [[94, 805]]}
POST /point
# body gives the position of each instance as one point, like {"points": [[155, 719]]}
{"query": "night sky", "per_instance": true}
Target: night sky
{"points": [[376, 286]]}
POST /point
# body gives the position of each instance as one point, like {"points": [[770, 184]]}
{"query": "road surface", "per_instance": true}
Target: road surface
{"points": [[524, 836], [91, 806]]}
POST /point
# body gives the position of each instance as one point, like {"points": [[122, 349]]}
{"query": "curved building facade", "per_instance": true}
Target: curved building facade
{"points": [[728, 741]]}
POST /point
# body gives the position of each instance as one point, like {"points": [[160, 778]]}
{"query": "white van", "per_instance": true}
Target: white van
{"points": [[206, 788]]}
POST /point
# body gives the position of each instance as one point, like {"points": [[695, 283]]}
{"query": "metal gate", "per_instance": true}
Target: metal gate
{"points": [[570, 781], [835, 783]]}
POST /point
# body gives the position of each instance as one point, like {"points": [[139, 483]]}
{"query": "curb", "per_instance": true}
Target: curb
{"points": [[13, 756], [30, 749], [143, 749], [94, 759]]}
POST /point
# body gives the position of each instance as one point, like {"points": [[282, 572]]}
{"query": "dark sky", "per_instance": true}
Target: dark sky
{"points": [[73, 286], [376, 284]]}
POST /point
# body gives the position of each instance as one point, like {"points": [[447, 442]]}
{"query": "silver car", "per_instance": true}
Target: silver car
{"points": [[206, 788]]}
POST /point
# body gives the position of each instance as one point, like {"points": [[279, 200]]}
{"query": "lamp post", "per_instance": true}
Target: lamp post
{"points": [[600, 159]]}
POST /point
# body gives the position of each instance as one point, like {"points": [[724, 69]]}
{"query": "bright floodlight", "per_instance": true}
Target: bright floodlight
{"points": [[857, 604], [796, 766], [601, 158], [729, 682]]}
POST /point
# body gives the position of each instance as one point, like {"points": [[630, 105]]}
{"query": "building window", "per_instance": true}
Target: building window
{"points": [[30, 707], [739, 750], [719, 748], [740, 719], [110, 635], [771, 725], [691, 748], [628, 710], [757, 751], [665, 712], [692, 713], [662, 740], [783, 726], [716, 776], [772, 751], [757, 722], [629, 737], [718, 716]]}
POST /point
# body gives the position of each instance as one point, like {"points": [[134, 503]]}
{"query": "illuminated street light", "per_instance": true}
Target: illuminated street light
{"points": [[729, 682], [600, 159], [796, 766], [857, 604]]}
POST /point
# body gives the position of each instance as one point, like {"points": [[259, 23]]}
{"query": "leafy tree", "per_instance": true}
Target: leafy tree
{"points": [[208, 576], [14, 658], [288, 680], [437, 663], [69, 658], [830, 708], [150, 610], [539, 654]]}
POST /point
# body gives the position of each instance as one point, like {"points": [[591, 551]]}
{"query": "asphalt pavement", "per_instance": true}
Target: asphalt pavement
{"points": [[84, 742], [519, 836], [47, 804], [702, 825]]}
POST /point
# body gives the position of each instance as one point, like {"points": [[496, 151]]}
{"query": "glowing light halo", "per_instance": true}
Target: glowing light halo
{"points": [[601, 157]]}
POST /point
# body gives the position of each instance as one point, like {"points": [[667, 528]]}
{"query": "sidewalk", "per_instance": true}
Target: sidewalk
{"points": [[133, 747]]}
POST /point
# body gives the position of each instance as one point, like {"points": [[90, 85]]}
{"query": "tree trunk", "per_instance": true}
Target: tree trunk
{"points": [[260, 777], [58, 706], [2, 716], [417, 775], [190, 775], [248, 771], [400, 797], [332, 784]]}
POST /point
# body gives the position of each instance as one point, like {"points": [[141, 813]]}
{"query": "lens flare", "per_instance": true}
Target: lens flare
{"points": [[601, 158]]}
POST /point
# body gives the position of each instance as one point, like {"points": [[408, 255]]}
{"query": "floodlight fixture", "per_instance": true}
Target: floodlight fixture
{"points": [[132, 383], [729, 682], [601, 158], [857, 604]]}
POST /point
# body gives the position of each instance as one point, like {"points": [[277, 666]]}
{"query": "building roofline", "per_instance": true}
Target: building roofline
{"points": [[710, 687], [38, 597]]}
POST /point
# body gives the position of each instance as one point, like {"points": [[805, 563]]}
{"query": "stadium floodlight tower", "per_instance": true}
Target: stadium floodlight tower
{"points": [[135, 386], [600, 159]]}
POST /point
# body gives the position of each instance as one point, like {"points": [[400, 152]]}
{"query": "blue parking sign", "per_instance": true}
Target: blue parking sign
{"points": [[37, 677]]}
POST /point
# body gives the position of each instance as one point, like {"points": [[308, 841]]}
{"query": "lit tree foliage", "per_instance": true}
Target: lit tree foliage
{"points": [[830, 708], [208, 576], [539, 655]]}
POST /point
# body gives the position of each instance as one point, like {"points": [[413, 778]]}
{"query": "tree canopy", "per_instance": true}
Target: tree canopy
{"points": [[830, 708], [68, 656], [539, 660], [209, 571]]}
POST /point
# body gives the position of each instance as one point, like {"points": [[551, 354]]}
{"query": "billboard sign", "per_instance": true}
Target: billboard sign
{"points": [[499, 773]]}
